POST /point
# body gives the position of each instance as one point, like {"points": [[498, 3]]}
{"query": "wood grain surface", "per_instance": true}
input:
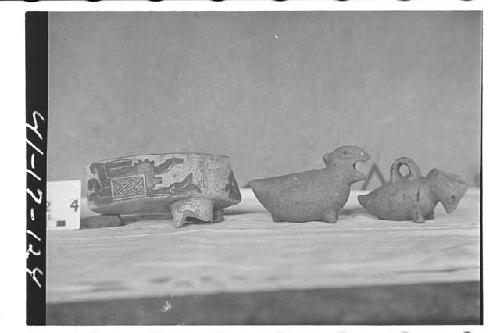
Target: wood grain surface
{"points": [[248, 252]]}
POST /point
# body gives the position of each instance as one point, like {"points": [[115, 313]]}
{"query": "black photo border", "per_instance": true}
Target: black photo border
{"points": [[36, 39]]}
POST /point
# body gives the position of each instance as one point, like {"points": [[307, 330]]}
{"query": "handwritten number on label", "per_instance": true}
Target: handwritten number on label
{"points": [[32, 273], [36, 199], [74, 205], [32, 251], [34, 127], [35, 196]]}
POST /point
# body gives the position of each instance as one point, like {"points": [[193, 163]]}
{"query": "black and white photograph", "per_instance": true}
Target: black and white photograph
{"points": [[230, 165], [264, 168]]}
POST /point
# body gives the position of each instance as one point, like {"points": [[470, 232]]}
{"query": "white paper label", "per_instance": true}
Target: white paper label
{"points": [[63, 205]]}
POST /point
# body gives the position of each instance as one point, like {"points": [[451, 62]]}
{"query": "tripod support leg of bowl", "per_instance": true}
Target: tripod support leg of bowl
{"points": [[218, 215], [198, 208]]}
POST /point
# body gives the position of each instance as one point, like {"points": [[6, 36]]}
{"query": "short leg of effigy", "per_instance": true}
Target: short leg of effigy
{"points": [[276, 219], [330, 215], [418, 216]]}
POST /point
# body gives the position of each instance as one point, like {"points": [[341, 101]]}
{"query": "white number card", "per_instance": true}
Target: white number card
{"points": [[63, 205]]}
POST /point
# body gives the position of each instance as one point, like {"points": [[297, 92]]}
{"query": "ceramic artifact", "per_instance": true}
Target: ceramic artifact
{"points": [[314, 195], [413, 197], [188, 185]]}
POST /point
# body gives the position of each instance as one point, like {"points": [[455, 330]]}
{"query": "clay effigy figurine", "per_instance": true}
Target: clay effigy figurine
{"points": [[192, 185], [315, 195], [414, 197]]}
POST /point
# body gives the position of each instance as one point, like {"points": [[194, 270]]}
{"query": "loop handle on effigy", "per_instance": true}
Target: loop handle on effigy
{"points": [[414, 170]]}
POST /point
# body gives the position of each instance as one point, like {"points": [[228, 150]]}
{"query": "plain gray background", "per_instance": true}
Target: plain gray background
{"points": [[273, 90]]}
